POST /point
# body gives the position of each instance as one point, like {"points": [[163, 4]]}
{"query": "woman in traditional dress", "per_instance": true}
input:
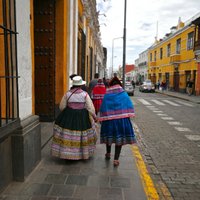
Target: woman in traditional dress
{"points": [[115, 113], [97, 94], [74, 135]]}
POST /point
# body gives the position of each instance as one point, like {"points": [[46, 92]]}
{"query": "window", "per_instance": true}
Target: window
{"points": [[161, 53], [8, 64], [168, 50], [150, 57], [190, 41], [154, 55], [178, 46]]}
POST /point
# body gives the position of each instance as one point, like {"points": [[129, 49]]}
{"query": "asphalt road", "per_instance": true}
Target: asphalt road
{"points": [[169, 135]]}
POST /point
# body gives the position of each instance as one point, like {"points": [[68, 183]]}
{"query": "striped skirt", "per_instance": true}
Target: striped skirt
{"points": [[118, 131], [74, 138]]}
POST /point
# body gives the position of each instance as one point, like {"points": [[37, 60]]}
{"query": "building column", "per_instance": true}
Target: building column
{"points": [[72, 36]]}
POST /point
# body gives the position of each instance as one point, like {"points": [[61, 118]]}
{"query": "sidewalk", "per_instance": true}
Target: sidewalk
{"points": [[184, 96], [94, 179]]}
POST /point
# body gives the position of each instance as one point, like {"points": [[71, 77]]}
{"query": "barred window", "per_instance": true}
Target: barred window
{"points": [[178, 46], [155, 55], [190, 41], [9, 110], [168, 50], [161, 53], [151, 57]]}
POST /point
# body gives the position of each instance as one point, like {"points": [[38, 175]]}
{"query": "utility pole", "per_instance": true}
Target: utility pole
{"points": [[124, 45]]}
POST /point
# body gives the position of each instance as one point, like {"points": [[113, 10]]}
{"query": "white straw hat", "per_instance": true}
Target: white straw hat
{"points": [[77, 80]]}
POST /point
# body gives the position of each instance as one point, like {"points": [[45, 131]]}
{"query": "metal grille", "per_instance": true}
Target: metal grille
{"points": [[9, 107]]}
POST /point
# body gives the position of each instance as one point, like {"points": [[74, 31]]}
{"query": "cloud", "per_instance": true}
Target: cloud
{"points": [[145, 20], [146, 26]]}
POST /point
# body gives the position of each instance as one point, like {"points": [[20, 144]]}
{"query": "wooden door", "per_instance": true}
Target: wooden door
{"points": [[44, 43], [176, 81]]}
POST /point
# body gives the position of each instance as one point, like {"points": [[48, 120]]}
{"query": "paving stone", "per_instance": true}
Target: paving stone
{"points": [[130, 194], [89, 171], [110, 194], [102, 181], [70, 199], [62, 190], [71, 169], [44, 198], [120, 182], [10, 197], [86, 193], [55, 178], [37, 189], [77, 180]]}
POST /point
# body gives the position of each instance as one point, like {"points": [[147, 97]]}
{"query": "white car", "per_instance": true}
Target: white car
{"points": [[129, 88], [147, 86]]}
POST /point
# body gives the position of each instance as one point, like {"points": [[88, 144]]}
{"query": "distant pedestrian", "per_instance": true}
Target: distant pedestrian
{"points": [[190, 87], [115, 113], [133, 83], [97, 95], [74, 135], [92, 83], [106, 82], [158, 85], [163, 86]]}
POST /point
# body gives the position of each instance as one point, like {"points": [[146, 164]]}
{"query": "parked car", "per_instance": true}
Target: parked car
{"points": [[147, 86], [129, 88]]}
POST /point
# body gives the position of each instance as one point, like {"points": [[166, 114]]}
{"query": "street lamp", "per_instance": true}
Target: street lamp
{"points": [[124, 45], [113, 50]]}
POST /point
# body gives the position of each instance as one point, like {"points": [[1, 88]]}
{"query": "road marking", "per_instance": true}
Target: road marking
{"points": [[193, 137], [181, 129], [184, 103], [158, 102], [147, 182], [171, 103], [167, 118], [175, 123], [152, 108], [162, 114], [144, 102], [157, 111]]}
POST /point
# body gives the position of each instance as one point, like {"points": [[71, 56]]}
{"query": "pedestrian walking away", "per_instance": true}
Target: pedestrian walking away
{"points": [[190, 87], [74, 133], [115, 113], [133, 83], [97, 94], [83, 87], [92, 83]]}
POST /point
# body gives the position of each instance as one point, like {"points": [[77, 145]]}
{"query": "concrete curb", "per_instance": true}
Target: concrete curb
{"points": [[179, 97]]}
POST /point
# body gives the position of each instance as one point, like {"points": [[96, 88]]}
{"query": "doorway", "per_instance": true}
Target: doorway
{"points": [[44, 52]]}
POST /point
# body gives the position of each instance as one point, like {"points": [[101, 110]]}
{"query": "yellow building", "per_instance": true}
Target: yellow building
{"points": [[172, 58]]}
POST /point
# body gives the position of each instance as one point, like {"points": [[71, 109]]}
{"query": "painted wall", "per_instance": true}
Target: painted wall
{"points": [[24, 57], [185, 59]]}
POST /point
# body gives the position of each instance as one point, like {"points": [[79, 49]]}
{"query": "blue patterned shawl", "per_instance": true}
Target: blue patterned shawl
{"points": [[116, 104]]}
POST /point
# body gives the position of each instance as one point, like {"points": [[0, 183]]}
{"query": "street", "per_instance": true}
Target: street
{"points": [[169, 137]]}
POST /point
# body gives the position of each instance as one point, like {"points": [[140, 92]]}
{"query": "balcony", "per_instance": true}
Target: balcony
{"points": [[152, 64], [175, 58]]}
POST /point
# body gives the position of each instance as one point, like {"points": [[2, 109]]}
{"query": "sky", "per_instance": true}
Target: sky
{"points": [[145, 19]]}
